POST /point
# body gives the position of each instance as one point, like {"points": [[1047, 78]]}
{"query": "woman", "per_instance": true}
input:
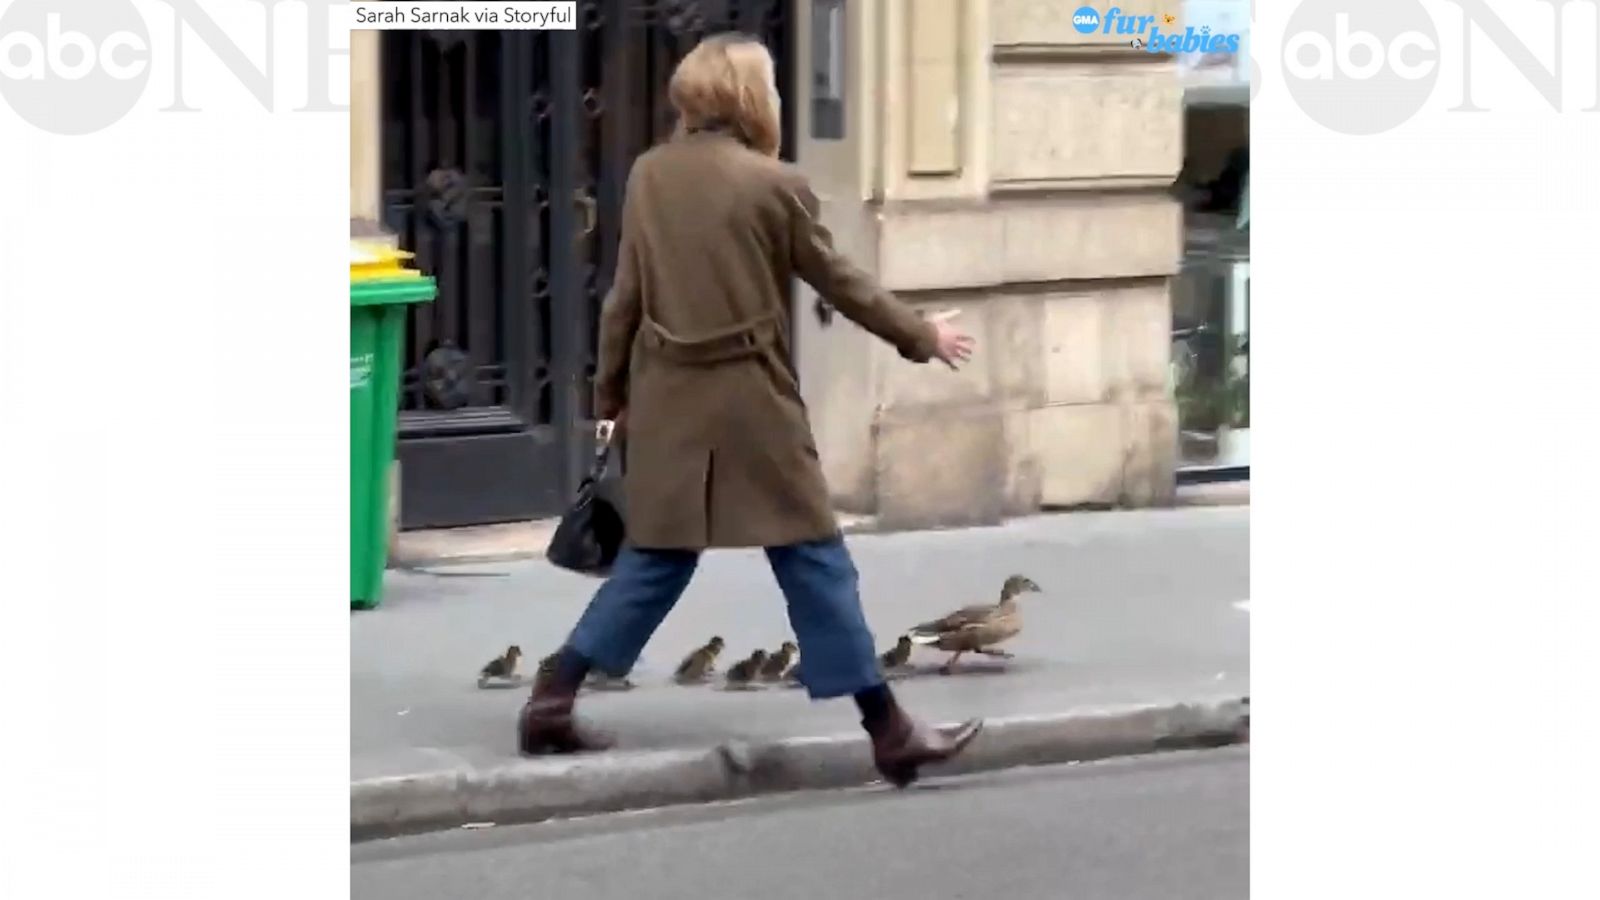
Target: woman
{"points": [[694, 356]]}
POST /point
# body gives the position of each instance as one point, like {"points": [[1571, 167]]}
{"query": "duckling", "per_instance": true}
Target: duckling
{"points": [[545, 671], [778, 664], [743, 672], [503, 666], [600, 681], [698, 665], [977, 629], [897, 656]]}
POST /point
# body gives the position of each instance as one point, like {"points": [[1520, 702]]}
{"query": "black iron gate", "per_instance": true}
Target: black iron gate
{"points": [[505, 154]]}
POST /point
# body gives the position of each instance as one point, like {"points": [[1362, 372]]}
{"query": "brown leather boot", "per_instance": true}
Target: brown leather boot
{"points": [[547, 725], [901, 745]]}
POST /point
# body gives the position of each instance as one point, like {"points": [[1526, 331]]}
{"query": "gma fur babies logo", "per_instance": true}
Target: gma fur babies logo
{"points": [[1154, 34]]}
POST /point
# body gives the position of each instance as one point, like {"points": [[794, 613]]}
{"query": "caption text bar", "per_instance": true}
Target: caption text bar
{"points": [[471, 15]]}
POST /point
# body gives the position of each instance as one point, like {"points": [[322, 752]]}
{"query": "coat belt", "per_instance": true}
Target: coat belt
{"points": [[743, 340]]}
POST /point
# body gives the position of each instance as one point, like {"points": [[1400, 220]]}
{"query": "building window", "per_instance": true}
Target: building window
{"points": [[1211, 296], [827, 69]]}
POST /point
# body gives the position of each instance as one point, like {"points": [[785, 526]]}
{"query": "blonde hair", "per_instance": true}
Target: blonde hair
{"points": [[728, 80]]}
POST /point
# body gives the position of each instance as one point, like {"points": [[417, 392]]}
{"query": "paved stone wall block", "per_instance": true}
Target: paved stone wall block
{"points": [[1045, 23], [905, 385], [942, 469], [1014, 349], [1054, 124], [1037, 240], [1092, 237], [935, 39], [1080, 453], [926, 249], [1074, 348], [1151, 434], [1024, 472], [1138, 341]]}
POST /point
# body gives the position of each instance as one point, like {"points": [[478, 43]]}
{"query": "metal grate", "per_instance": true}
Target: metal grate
{"points": [[505, 155]]}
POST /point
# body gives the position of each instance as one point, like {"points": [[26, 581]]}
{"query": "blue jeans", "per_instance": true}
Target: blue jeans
{"points": [[818, 580]]}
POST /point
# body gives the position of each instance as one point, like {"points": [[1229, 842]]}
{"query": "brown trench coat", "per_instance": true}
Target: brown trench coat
{"points": [[694, 342]]}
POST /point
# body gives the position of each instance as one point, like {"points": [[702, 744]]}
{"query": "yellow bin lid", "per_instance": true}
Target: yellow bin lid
{"points": [[369, 260]]}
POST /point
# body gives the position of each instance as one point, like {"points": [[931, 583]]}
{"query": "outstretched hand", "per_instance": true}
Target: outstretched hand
{"points": [[951, 345]]}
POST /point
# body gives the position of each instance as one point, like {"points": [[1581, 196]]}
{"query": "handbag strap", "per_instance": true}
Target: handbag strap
{"points": [[605, 437]]}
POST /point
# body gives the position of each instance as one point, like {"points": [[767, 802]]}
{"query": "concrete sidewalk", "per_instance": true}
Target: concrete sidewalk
{"points": [[528, 540], [1141, 629]]}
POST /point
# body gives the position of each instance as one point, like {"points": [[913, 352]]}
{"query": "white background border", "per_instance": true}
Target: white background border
{"points": [[173, 482]]}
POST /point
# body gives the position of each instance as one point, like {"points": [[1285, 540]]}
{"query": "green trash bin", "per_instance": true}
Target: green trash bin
{"points": [[378, 303]]}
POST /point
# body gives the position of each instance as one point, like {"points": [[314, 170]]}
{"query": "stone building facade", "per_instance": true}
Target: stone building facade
{"points": [[994, 160], [999, 162]]}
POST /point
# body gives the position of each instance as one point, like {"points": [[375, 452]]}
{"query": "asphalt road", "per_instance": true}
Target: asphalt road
{"points": [[1169, 827]]}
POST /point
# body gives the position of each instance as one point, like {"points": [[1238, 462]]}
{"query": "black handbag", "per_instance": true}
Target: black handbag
{"points": [[591, 531]]}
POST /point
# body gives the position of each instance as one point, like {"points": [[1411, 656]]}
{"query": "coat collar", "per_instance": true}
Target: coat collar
{"points": [[713, 129]]}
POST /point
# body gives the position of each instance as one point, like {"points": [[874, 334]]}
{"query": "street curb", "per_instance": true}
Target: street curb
{"points": [[512, 542], [1216, 493], [562, 787], [515, 541]]}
